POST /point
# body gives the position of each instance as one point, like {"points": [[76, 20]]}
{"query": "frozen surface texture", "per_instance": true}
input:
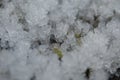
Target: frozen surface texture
{"points": [[59, 39]]}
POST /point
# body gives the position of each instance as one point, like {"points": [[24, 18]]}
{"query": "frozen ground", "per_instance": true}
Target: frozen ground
{"points": [[59, 39]]}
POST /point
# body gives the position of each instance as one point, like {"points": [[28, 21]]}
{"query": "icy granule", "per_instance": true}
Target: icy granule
{"points": [[86, 33]]}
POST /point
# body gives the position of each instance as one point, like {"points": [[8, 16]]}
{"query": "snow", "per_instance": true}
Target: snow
{"points": [[27, 54]]}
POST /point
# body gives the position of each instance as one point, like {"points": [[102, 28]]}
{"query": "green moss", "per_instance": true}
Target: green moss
{"points": [[58, 52], [77, 35], [78, 38]]}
